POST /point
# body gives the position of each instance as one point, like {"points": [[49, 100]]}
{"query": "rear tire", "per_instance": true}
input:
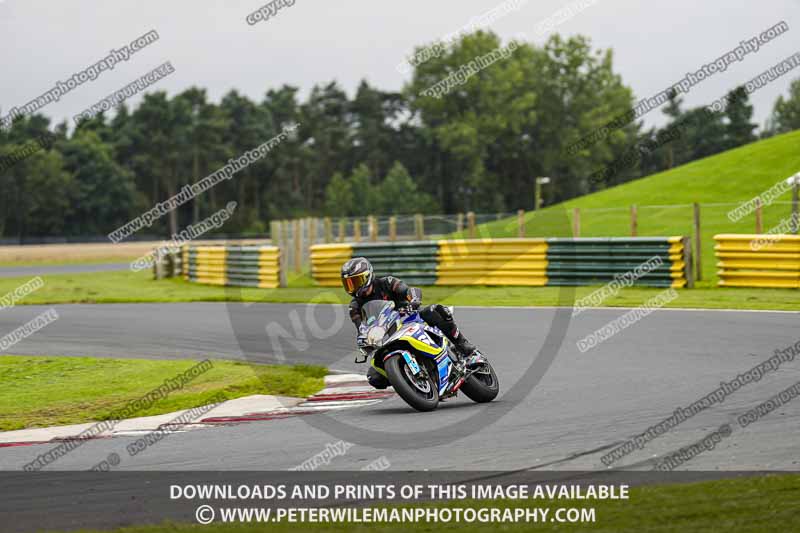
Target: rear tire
{"points": [[482, 387], [396, 368]]}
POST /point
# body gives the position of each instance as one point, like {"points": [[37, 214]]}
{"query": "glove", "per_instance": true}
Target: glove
{"points": [[404, 309]]}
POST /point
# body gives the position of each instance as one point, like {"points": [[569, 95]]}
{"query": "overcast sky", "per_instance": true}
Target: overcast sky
{"points": [[210, 44]]}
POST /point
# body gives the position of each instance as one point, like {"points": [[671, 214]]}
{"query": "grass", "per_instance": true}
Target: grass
{"points": [[128, 287], [46, 391], [74, 261], [664, 199], [746, 505]]}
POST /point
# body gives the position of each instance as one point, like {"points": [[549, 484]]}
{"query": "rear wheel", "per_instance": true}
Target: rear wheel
{"points": [[482, 386], [419, 393]]}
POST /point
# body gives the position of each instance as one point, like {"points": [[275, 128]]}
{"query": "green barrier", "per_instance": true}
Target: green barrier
{"points": [[655, 261], [414, 262]]}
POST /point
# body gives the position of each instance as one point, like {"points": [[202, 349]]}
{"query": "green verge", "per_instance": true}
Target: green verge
{"points": [[63, 262], [128, 287], [41, 391], [746, 505]]}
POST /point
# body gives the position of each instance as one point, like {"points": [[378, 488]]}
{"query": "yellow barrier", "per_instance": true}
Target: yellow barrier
{"points": [[326, 262], [758, 260], [235, 265], [492, 262]]}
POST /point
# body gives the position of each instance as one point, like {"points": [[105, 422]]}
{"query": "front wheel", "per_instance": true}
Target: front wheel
{"points": [[419, 393], [482, 386]]}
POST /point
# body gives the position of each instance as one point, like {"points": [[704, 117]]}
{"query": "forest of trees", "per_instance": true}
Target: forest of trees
{"points": [[478, 148]]}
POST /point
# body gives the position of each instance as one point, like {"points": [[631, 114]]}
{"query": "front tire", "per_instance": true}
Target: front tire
{"points": [[482, 386], [417, 395]]}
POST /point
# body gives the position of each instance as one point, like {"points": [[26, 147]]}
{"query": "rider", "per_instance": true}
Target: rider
{"points": [[358, 279]]}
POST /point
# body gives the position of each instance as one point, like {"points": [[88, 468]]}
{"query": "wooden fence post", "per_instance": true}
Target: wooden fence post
{"points": [[328, 229], [471, 224], [634, 221], [285, 241], [306, 225], [297, 235], [759, 219], [521, 223], [373, 228], [460, 222], [274, 231], [419, 226], [312, 231], [576, 222], [392, 228], [357, 230], [342, 230], [698, 261], [283, 251]]}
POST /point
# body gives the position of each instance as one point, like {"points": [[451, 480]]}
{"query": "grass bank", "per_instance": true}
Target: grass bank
{"points": [[43, 391]]}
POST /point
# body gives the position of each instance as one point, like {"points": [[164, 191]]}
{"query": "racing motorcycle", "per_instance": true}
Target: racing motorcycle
{"points": [[418, 359]]}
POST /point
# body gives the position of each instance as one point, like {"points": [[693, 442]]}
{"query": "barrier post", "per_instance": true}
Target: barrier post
{"points": [[342, 230], [698, 254], [576, 222], [419, 226], [328, 229], [634, 221], [471, 224], [392, 228], [687, 261], [460, 222], [521, 223], [171, 264], [357, 230]]}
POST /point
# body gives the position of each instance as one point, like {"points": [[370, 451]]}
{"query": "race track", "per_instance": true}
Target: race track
{"points": [[563, 415]]}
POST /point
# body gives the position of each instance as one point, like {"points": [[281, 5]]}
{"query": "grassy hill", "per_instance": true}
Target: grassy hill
{"points": [[719, 183]]}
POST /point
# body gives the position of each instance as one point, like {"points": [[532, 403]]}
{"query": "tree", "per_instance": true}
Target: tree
{"points": [[738, 130], [786, 113], [104, 191], [397, 194], [338, 196]]}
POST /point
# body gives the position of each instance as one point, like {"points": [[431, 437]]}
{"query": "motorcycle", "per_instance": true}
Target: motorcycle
{"points": [[418, 359]]}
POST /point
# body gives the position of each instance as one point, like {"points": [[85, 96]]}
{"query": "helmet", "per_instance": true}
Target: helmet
{"points": [[357, 275]]}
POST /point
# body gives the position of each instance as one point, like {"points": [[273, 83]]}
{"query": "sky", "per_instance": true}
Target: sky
{"points": [[210, 44]]}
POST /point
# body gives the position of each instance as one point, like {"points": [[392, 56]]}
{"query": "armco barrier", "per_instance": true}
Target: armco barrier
{"points": [[532, 262], [241, 266], [589, 261], [492, 262], [758, 260], [415, 262]]}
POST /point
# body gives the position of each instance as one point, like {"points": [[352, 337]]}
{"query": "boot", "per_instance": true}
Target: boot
{"points": [[464, 347], [469, 353]]}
